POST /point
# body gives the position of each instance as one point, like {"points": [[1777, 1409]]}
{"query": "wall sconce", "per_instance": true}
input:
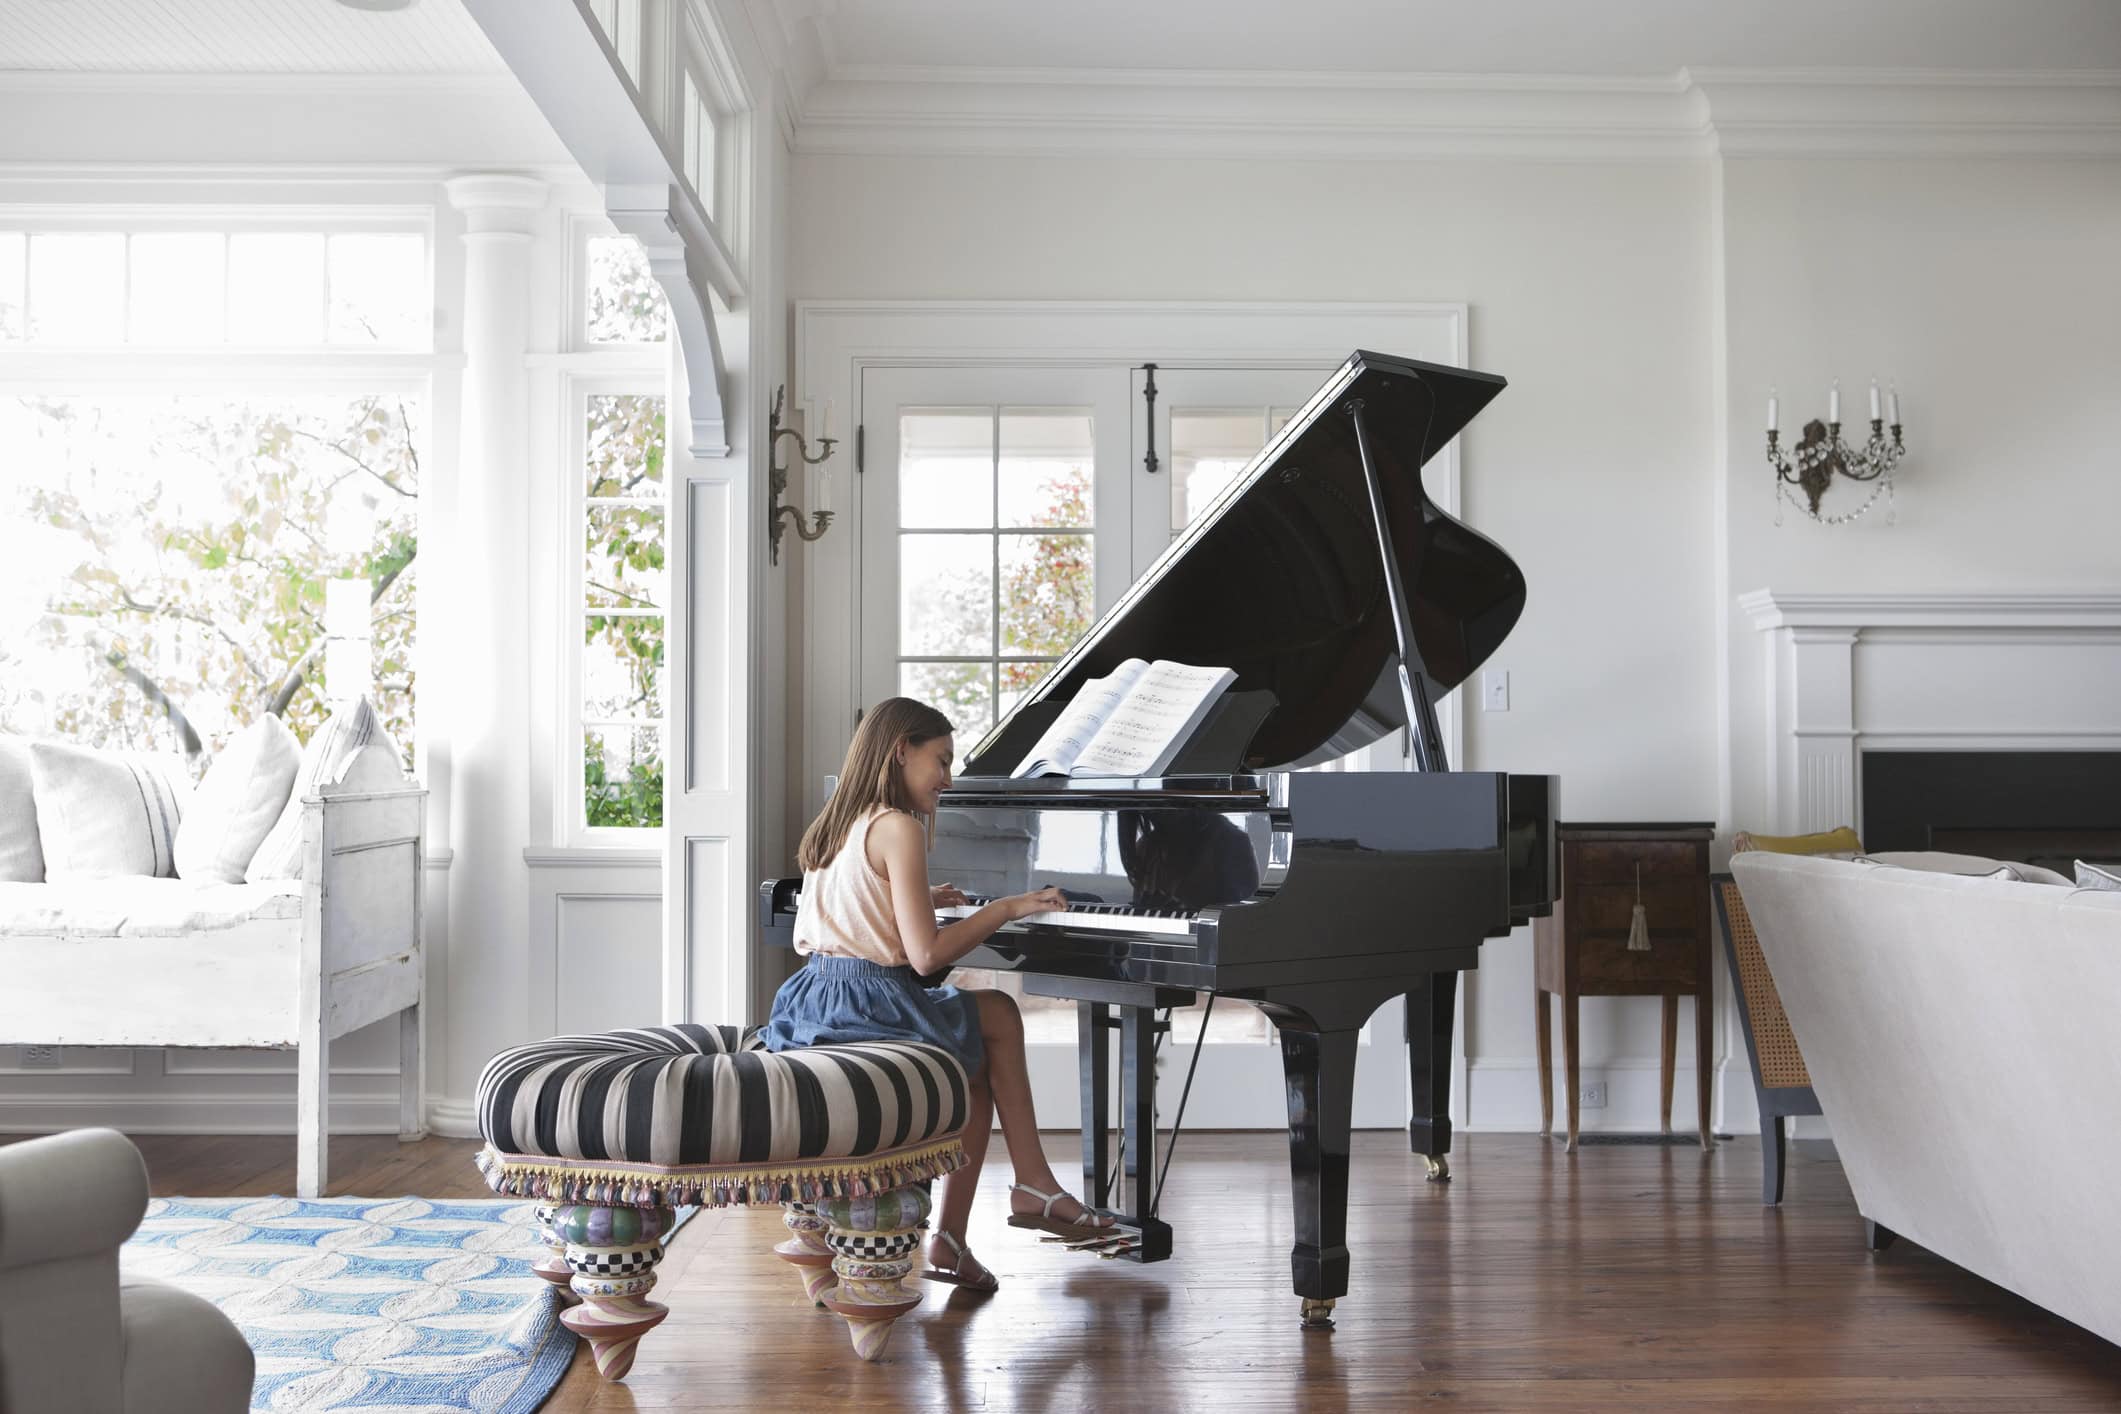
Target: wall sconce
{"points": [[777, 480], [1822, 455]]}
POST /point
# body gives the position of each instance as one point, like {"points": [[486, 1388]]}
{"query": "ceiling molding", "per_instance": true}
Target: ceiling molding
{"points": [[932, 111], [1913, 113]]}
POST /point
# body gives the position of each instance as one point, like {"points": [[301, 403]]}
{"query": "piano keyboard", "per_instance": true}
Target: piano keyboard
{"points": [[1114, 917]]}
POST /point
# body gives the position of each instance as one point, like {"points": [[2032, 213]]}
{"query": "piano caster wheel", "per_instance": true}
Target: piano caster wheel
{"points": [[1439, 1168], [1318, 1315]]}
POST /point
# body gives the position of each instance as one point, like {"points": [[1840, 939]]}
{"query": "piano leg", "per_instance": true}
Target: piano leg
{"points": [[1430, 1003], [1319, 1070], [1094, 1090], [1137, 1101]]}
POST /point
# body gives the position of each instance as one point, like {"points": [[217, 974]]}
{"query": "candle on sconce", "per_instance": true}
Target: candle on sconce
{"points": [[1892, 399], [826, 430], [824, 487], [1774, 409], [1874, 400], [1833, 403]]}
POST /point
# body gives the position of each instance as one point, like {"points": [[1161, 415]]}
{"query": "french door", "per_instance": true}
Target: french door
{"points": [[1002, 509]]}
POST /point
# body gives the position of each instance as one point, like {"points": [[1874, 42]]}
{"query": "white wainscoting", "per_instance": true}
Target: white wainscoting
{"points": [[596, 939]]}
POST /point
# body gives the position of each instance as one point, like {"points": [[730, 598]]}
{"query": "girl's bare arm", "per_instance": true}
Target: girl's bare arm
{"points": [[900, 849]]}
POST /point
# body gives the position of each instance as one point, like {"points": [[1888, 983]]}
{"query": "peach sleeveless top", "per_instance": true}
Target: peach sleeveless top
{"points": [[846, 908]]}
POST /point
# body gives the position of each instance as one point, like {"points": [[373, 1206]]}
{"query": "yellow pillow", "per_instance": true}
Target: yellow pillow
{"points": [[1841, 841]]}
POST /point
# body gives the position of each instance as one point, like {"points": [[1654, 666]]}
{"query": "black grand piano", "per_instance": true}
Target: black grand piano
{"points": [[1348, 603]]}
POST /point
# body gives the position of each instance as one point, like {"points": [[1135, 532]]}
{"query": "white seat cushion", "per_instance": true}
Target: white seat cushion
{"points": [[20, 856], [106, 813], [244, 794], [142, 908]]}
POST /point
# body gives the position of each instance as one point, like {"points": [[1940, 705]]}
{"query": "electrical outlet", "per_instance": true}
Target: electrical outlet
{"points": [[1594, 1095], [40, 1057], [1495, 691]]}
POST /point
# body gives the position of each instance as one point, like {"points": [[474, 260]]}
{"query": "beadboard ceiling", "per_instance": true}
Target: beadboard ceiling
{"points": [[240, 37]]}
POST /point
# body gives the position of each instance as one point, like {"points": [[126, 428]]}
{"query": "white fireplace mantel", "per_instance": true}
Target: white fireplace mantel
{"points": [[1957, 671]]}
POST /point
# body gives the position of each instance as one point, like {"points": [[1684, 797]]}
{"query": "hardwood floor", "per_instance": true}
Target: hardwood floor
{"points": [[1627, 1277]]}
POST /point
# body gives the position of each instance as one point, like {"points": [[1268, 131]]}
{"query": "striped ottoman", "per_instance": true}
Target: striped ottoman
{"points": [[615, 1132]]}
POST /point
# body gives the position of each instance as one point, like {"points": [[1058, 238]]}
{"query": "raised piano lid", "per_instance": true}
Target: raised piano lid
{"points": [[1280, 579]]}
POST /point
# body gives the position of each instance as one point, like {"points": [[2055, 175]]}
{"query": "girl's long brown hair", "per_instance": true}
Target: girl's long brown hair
{"points": [[870, 775]]}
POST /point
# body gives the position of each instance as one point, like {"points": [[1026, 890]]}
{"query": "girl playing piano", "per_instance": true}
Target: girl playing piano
{"points": [[867, 924]]}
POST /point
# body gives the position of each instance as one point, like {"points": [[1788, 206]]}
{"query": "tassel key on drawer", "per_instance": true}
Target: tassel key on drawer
{"points": [[1639, 923]]}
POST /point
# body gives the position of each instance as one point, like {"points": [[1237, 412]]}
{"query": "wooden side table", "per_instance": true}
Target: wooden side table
{"points": [[1582, 950]]}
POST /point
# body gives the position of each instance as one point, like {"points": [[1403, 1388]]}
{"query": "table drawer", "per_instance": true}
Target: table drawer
{"points": [[1600, 916], [1615, 861]]}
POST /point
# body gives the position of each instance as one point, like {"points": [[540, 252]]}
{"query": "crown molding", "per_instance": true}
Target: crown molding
{"points": [[1687, 115], [2056, 609], [1913, 112]]}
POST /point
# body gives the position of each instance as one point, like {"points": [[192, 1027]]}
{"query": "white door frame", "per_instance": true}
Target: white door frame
{"points": [[837, 339]]}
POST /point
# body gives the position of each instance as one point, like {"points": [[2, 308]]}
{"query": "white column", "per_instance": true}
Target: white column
{"points": [[485, 692]]}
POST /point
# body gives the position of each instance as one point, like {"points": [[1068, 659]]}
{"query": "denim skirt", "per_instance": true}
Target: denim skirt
{"points": [[836, 1000]]}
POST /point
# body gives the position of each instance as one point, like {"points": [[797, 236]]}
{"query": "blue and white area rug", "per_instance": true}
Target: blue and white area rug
{"points": [[398, 1304]]}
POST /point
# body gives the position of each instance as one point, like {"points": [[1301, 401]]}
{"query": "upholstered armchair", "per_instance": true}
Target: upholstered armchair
{"points": [[1782, 1087], [74, 1338]]}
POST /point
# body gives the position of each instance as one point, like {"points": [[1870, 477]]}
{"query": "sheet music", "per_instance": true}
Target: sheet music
{"points": [[1145, 731], [1057, 750]]}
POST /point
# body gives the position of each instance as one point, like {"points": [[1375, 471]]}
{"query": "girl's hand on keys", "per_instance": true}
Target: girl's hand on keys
{"points": [[1046, 900], [946, 896]]}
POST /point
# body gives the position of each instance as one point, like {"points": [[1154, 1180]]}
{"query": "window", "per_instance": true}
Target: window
{"points": [[699, 144], [616, 408], [173, 526], [995, 550], [623, 599], [621, 22], [622, 303], [215, 289]]}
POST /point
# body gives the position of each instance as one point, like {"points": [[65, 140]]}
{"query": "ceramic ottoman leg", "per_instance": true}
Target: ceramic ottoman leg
{"points": [[612, 1254], [874, 1242], [553, 1265], [806, 1249]]}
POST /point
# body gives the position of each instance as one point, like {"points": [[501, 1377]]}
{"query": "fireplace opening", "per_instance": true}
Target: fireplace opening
{"points": [[2050, 808]]}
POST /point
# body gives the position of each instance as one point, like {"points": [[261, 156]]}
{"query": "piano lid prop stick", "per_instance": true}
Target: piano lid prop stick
{"points": [[1422, 727]]}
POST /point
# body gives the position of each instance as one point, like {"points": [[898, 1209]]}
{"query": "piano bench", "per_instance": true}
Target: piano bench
{"points": [[615, 1132]]}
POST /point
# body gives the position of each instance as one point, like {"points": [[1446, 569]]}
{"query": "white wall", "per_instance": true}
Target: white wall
{"points": [[1990, 292], [1590, 288]]}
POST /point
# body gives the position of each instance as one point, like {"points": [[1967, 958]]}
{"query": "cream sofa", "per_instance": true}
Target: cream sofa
{"points": [[1961, 1036], [74, 1337]]}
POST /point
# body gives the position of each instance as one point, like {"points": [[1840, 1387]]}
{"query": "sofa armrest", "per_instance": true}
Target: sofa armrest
{"points": [[69, 1195]]}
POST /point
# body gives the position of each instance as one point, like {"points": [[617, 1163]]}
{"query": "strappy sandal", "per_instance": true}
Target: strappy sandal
{"points": [[1090, 1224], [985, 1281]]}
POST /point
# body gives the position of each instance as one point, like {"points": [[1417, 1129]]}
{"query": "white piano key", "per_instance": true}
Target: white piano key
{"points": [[1174, 925]]}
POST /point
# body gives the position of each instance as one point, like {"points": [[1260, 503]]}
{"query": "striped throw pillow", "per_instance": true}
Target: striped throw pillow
{"points": [[345, 733], [106, 813]]}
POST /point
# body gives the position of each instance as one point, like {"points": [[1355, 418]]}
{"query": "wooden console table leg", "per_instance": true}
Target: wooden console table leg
{"points": [[1704, 1021], [1543, 1029], [1671, 1056], [1568, 1060]]}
